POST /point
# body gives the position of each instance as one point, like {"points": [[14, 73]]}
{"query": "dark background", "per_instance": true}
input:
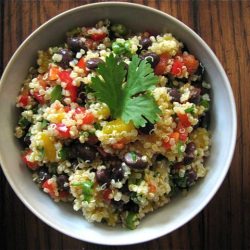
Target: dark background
{"points": [[225, 222]]}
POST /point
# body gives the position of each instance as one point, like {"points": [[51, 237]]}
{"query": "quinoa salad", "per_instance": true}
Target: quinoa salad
{"points": [[115, 123]]}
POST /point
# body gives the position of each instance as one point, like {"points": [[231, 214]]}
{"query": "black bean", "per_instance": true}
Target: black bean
{"points": [[160, 157], [92, 140], [118, 204], [145, 42], [26, 140], [81, 98], [104, 155], [191, 177], [175, 95], [151, 57], [85, 152], [115, 162], [124, 189], [93, 63], [67, 57], [135, 161], [43, 175], [204, 120], [62, 182], [188, 160], [195, 95], [190, 148], [76, 44], [117, 173], [103, 176], [147, 128], [131, 207]]}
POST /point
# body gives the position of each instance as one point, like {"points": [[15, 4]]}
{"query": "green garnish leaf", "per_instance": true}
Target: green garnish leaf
{"points": [[131, 100], [56, 94]]}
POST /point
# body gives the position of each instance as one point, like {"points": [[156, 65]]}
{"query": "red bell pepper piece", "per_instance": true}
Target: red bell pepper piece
{"points": [[50, 188], [106, 193], [30, 164], [39, 98], [23, 100], [63, 130], [161, 66], [183, 118], [98, 36], [177, 68], [65, 77]]}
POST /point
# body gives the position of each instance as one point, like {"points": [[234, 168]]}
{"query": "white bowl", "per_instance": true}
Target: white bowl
{"points": [[180, 210]]}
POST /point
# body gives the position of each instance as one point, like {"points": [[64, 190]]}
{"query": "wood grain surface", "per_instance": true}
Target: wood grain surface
{"points": [[225, 222]]}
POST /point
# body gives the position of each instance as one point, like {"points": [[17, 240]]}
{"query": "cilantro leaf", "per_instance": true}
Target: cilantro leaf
{"points": [[140, 109], [109, 90], [140, 77], [129, 100]]}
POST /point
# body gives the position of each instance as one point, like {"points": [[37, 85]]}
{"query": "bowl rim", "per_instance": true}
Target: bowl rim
{"points": [[228, 89]]}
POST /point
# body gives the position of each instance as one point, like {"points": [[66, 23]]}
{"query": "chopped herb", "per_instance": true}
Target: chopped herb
{"points": [[133, 156], [23, 122], [42, 152], [64, 153], [129, 101], [97, 126], [179, 145], [204, 103], [56, 94], [44, 124], [190, 110], [131, 220], [86, 189]]}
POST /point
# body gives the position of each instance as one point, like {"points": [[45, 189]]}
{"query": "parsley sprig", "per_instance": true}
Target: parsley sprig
{"points": [[130, 100]]}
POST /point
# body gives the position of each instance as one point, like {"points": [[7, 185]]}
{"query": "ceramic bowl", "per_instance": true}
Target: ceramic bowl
{"points": [[180, 210]]}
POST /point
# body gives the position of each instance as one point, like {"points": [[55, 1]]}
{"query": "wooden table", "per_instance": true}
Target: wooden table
{"points": [[225, 222]]}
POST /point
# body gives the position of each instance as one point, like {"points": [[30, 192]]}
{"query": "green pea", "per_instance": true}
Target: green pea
{"points": [[117, 48], [127, 46]]}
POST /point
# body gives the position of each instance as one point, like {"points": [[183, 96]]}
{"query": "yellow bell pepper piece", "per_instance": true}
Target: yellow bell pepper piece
{"points": [[49, 147]]}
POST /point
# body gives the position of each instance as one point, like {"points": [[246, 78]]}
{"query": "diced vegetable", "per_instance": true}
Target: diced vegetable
{"points": [[184, 120], [50, 188], [39, 97], [119, 30], [23, 100], [191, 63], [130, 220], [53, 73], [25, 157], [161, 66], [49, 147], [177, 68], [98, 36], [63, 130], [56, 94]]}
